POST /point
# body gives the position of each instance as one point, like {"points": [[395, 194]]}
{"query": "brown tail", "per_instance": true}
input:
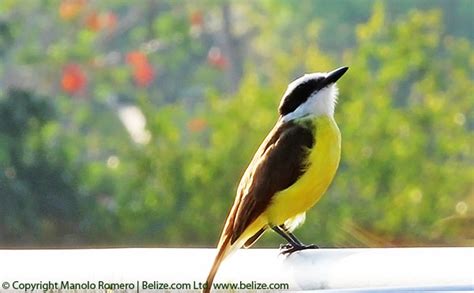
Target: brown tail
{"points": [[224, 249]]}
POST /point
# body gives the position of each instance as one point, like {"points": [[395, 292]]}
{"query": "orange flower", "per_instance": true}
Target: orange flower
{"points": [[70, 9], [92, 22], [196, 18], [100, 21], [136, 58], [197, 124], [73, 79]]}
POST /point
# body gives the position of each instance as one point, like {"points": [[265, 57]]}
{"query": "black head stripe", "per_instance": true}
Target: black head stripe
{"points": [[299, 95]]}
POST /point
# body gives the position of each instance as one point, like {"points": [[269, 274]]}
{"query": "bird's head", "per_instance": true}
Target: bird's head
{"points": [[312, 94]]}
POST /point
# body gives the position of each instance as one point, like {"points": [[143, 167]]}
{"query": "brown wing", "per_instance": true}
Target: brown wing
{"points": [[278, 163]]}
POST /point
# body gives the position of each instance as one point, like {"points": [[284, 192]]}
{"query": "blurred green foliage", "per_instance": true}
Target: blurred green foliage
{"points": [[131, 124]]}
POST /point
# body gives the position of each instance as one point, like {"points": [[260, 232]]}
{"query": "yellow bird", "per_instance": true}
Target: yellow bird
{"points": [[290, 171]]}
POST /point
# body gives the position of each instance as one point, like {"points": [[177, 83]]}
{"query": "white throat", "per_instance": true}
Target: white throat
{"points": [[321, 103]]}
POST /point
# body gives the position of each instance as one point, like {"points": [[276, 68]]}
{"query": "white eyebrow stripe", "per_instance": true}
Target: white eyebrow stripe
{"points": [[301, 80]]}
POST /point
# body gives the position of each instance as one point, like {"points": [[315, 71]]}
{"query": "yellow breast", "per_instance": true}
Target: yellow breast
{"points": [[323, 159]]}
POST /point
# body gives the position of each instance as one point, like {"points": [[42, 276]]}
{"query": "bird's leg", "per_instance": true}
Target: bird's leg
{"points": [[302, 246], [292, 236], [298, 241], [284, 234], [294, 244]]}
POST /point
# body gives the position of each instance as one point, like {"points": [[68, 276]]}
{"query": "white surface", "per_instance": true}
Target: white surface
{"points": [[306, 270]]}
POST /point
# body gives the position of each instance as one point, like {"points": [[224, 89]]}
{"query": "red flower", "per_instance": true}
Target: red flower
{"points": [[143, 72], [216, 59], [73, 79]]}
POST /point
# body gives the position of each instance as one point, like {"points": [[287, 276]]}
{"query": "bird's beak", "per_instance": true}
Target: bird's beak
{"points": [[334, 75]]}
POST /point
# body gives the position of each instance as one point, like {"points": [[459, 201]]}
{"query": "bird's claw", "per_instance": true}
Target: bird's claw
{"points": [[287, 249], [285, 246]]}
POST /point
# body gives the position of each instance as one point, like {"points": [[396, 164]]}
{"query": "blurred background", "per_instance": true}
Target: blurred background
{"points": [[130, 123]]}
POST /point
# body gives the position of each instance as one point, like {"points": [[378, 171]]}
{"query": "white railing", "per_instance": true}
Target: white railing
{"points": [[387, 269]]}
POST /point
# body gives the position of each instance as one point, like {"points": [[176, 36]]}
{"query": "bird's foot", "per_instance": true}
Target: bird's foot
{"points": [[285, 246], [287, 249]]}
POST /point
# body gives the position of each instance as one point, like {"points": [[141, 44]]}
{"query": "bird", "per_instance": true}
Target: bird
{"points": [[291, 170]]}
